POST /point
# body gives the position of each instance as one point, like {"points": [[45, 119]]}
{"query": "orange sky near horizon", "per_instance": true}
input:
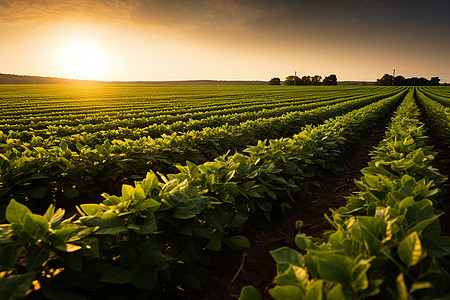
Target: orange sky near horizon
{"points": [[211, 39]]}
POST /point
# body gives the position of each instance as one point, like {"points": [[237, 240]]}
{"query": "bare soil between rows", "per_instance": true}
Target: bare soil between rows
{"points": [[257, 266]]}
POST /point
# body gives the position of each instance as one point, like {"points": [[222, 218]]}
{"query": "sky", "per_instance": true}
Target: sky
{"points": [[224, 39]]}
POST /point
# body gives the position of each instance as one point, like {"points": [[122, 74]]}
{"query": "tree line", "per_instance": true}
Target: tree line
{"points": [[27, 79], [305, 80], [402, 81]]}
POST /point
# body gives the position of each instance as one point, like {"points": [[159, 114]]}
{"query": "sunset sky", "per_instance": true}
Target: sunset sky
{"points": [[224, 39]]}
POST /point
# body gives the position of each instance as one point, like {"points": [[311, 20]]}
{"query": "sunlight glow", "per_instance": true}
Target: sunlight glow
{"points": [[83, 60]]}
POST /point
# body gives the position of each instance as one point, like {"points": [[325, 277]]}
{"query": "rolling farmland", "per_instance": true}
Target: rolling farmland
{"points": [[119, 189]]}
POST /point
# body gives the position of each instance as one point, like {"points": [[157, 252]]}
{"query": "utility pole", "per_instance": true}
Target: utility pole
{"points": [[295, 77], [393, 77]]}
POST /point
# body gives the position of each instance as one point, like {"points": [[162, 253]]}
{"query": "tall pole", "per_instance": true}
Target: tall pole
{"points": [[393, 77], [295, 77]]}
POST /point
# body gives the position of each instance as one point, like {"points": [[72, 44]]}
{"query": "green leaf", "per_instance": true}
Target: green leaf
{"points": [[238, 243], [182, 213], [8, 256], [127, 191], [316, 291], [230, 175], [16, 213], [334, 267], [286, 255], [38, 192], [149, 226], [416, 286], [36, 226], [67, 247], [150, 204], [336, 293], [57, 217], [238, 221], [149, 183], [92, 209], [402, 292], [73, 259], [3, 158], [371, 180], [215, 242], [70, 192], [111, 200], [35, 257], [49, 213], [250, 293], [99, 149], [139, 193], [263, 205], [410, 249], [303, 242], [286, 292], [111, 223], [63, 145], [359, 276], [37, 176], [117, 274], [423, 224], [336, 238], [407, 202], [15, 287], [144, 278], [90, 221]]}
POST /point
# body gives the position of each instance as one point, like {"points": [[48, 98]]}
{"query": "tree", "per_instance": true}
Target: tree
{"points": [[292, 80], [330, 80], [316, 80], [435, 81], [306, 80], [275, 81], [413, 81], [385, 80], [399, 80]]}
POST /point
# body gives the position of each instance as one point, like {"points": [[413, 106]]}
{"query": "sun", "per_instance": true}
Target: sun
{"points": [[83, 60]]}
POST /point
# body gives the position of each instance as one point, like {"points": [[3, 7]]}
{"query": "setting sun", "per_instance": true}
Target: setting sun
{"points": [[83, 60]]}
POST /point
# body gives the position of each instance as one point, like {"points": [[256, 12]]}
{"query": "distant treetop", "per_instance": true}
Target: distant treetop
{"points": [[311, 80], [402, 81], [275, 81]]}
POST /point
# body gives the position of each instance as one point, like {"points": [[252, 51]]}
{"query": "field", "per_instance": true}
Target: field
{"points": [[182, 191]]}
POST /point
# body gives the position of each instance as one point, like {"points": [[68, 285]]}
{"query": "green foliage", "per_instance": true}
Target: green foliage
{"points": [[155, 233], [387, 240], [438, 112], [74, 167]]}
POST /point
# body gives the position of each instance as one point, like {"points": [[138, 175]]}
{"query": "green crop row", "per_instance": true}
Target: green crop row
{"points": [[155, 236], [438, 114], [437, 95], [41, 110], [386, 241], [61, 102], [31, 173], [97, 130], [145, 114]]}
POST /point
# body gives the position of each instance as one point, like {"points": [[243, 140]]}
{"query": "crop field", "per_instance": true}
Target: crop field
{"points": [[219, 192]]}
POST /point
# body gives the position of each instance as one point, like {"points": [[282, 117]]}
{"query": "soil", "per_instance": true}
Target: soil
{"points": [[257, 266]]}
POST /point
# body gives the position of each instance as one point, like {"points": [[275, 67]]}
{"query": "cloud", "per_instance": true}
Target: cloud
{"points": [[209, 14], [49, 11]]}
